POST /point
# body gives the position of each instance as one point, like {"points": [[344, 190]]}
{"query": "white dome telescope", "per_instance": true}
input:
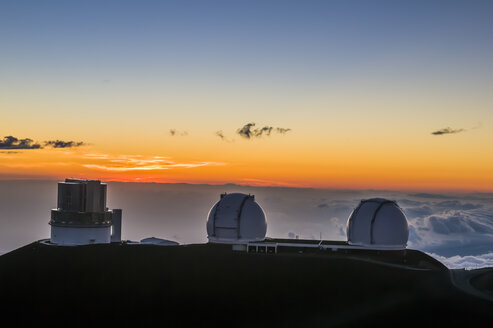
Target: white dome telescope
{"points": [[378, 222], [236, 218]]}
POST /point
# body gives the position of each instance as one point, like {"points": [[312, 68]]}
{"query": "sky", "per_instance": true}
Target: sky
{"points": [[391, 95]]}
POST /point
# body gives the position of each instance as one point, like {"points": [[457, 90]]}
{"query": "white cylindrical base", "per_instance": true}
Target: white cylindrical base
{"points": [[71, 236]]}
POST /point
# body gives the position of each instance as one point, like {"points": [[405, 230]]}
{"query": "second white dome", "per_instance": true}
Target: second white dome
{"points": [[378, 222]]}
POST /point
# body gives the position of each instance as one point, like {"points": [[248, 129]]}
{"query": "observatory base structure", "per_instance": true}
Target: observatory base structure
{"points": [[80, 236]]}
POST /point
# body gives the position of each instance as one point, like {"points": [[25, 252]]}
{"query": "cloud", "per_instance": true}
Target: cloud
{"points": [[125, 163], [174, 132], [282, 130], [221, 135], [456, 218], [414, 236], [97, 156], [265, 130], [418, 211], [63, 144], [427, 195], [10, 142], [409, 202], [457, 205], [459, 222], [338, 226], [248, 131], [467, 262], [448, 225], [447, 130]]}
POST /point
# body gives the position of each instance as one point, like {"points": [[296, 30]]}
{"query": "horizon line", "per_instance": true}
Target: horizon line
{"points": [[277, 186]]}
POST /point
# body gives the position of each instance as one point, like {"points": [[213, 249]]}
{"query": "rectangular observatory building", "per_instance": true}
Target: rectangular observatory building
{"points": [[81, 216]]}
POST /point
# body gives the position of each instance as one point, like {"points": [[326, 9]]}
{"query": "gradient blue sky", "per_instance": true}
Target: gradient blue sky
{"points": [[305, 41]]}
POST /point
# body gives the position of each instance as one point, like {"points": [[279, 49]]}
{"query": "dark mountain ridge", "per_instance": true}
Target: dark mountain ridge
{"points": [[200, 285]]}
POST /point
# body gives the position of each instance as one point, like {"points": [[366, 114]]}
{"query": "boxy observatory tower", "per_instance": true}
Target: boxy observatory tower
{"points": [[82, 217]]}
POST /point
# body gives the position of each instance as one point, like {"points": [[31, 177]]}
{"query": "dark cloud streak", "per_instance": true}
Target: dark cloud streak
{"points": [[282, 130], [10, 142], [174, 132], [447, 130], [63, 144], [221, 135], [248, 131]]}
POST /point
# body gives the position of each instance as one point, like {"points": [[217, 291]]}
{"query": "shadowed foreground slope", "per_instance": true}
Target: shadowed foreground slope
{"points": [[210, 285]]}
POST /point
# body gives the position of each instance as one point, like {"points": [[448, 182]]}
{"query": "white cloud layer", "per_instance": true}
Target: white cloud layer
{"points": [[468, 262]]}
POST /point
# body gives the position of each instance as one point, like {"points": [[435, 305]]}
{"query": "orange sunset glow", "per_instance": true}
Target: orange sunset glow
{"points": [[267, 162]]}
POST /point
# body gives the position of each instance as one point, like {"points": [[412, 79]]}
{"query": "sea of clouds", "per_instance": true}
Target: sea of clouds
{"points": [[468, 262], [457, 229]]}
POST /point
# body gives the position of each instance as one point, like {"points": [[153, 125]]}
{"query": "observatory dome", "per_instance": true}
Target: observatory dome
{"points": [[158, 241], [378, 222], [236, 218]]}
